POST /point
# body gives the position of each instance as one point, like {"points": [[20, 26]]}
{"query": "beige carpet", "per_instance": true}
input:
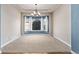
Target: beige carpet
{"points": [[35, 43]]}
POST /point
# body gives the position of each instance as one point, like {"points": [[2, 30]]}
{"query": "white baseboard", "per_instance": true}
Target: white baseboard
{"points": [[61, 40], [8, 43], [64, 43], [73, 52]]}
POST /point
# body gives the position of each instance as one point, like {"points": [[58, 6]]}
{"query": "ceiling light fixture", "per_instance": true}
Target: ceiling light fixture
{"points": [[35, 12]]}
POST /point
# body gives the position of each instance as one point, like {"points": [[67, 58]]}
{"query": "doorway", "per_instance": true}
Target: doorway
{"points": [[36, 24]]}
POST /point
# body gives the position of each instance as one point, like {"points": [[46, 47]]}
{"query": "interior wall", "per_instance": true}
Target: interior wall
{"points": [[62, 24], [10, 24], [75, 27], [0, 26], [50, 24]]}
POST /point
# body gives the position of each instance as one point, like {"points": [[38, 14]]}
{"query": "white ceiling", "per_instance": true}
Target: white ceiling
{"points": [[43, 8]]}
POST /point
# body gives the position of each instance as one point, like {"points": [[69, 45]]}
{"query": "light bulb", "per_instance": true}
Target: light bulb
{"points": [[38, 12], [34, 12]]}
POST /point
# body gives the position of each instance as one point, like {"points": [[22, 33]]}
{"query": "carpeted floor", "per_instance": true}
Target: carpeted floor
{"points": [[36, 44]]}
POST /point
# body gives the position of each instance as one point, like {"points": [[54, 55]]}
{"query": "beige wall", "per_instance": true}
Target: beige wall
{"points": [[62, 23], [0, 27], [10, 24]]}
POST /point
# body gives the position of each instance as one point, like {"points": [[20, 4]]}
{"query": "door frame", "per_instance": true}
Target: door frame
{"points": [[26, 14]]}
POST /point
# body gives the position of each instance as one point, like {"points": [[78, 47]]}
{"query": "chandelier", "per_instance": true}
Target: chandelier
{"points": [[35, 12]]}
